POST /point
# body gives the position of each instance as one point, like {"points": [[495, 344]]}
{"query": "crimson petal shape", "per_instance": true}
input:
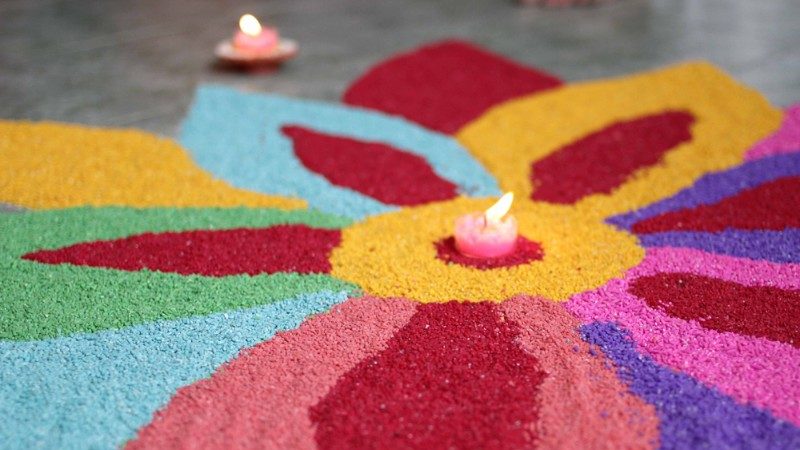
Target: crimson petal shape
{"points": [[526, 251], [374, 169], [453, 377], [603, 160], [445, 85], [721, 305], [774, 205], [253, 251]]}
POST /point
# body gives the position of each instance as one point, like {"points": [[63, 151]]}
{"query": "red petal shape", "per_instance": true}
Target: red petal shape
{"points": [[453, 377], [445, 85], [378, 170], [525, 252], [603, 160], [774, 205], [253, 251], [260, 399], [721, 305]]}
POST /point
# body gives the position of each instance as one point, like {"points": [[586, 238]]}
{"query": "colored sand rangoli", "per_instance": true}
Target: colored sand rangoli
{"points": [[177, 294]]}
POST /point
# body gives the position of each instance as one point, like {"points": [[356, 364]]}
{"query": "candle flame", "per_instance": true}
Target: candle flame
{"points": [[497, 211], [249, 25]]}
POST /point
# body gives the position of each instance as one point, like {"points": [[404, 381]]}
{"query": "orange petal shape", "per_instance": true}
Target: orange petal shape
{"points": [[52, 165]]}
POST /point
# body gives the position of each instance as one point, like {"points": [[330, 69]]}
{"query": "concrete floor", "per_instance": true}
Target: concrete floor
{"points": [[135, 63]]}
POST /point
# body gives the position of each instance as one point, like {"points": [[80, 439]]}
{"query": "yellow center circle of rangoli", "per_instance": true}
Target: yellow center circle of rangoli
{"points": [[393, 254]]}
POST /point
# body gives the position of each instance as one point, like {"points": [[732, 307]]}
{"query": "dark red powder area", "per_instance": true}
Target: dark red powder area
{"points": [[281, 248], [771, 206], [378, 170], [525, 252], [453, 377], [445, 85], [603, 160], [721, 305]]}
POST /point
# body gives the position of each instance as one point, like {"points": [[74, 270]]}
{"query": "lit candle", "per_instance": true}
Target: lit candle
{"points": [[253, 38], [488, 235]]}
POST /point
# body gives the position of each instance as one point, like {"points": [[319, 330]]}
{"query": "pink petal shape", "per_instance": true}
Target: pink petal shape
{"points": [[583, 403], [749, 369], [262, 397], [785, 140]]}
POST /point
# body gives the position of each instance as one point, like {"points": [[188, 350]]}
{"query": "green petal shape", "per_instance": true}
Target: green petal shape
{"points": [[43, 301]]}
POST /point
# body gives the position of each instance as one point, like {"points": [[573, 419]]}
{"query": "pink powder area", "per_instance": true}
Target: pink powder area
{"points": [[583, 403], [785, 140], [261, 398], [749, 369]]}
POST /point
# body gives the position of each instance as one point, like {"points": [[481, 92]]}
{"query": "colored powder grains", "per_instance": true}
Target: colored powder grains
{"points": [[239, 137], [692, 415], [785, 140], [778, 246], [525, 252], [48, 300], [395, 254], [603, 160], [445, 85], [50, 165], [261, 398], [722, 305], [252, 251], [378, 170], [717, 187], [773, 205], [750, 369], [94, 390], [387, 373], [582, 403], [513, 136], [451, 378], [106, 311]]}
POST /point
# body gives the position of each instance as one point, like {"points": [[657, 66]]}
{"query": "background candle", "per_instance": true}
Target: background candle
{"points": [[252, 37], [488, 235]]}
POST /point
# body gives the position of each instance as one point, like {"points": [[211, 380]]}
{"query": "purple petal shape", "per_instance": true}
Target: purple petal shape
{"points": [[777, 246], [692, 415], [717, 186]]}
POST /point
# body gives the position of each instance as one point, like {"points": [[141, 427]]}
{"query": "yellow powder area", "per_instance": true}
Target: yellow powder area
{"points": [[51, 165], [729, 119], [393, 254]]}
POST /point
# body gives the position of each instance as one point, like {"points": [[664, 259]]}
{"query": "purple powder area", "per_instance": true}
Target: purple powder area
{"points": [[717, 186], [776, 246], [692, 415]]}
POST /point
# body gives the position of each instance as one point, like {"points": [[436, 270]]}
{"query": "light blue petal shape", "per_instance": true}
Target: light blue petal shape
{"points": [[96, 390], [236, 136]]}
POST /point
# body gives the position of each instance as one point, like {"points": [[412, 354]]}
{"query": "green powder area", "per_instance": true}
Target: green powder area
{"points": [[39, 301]]}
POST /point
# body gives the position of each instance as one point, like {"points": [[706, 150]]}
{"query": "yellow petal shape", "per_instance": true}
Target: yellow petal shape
{"points": [[53, 165], [729, 118]]}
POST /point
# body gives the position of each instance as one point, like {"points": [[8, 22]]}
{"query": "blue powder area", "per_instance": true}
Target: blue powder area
{"points": [[715, 187], [777, 246], [97, 390], [236, 136], [692, 415]]}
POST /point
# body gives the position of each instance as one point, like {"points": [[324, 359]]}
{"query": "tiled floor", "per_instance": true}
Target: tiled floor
{"points": [[137, 62]]}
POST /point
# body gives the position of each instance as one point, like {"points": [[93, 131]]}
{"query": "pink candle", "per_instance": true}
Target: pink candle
{"points": [[488, 235], [252, 38]]}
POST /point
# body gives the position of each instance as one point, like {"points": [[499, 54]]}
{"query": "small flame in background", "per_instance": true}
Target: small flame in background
{"points": [[496, 212], [249, 25]]}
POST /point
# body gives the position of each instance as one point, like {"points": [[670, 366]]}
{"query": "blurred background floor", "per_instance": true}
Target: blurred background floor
{"points": [[136, 63]]}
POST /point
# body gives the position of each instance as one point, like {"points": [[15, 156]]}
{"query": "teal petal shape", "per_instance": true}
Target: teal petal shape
{"points": [[237, 137], [97, 390]]}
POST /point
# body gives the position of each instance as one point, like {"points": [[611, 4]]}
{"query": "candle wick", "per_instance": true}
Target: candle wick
{"points": [[485, 221]]}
